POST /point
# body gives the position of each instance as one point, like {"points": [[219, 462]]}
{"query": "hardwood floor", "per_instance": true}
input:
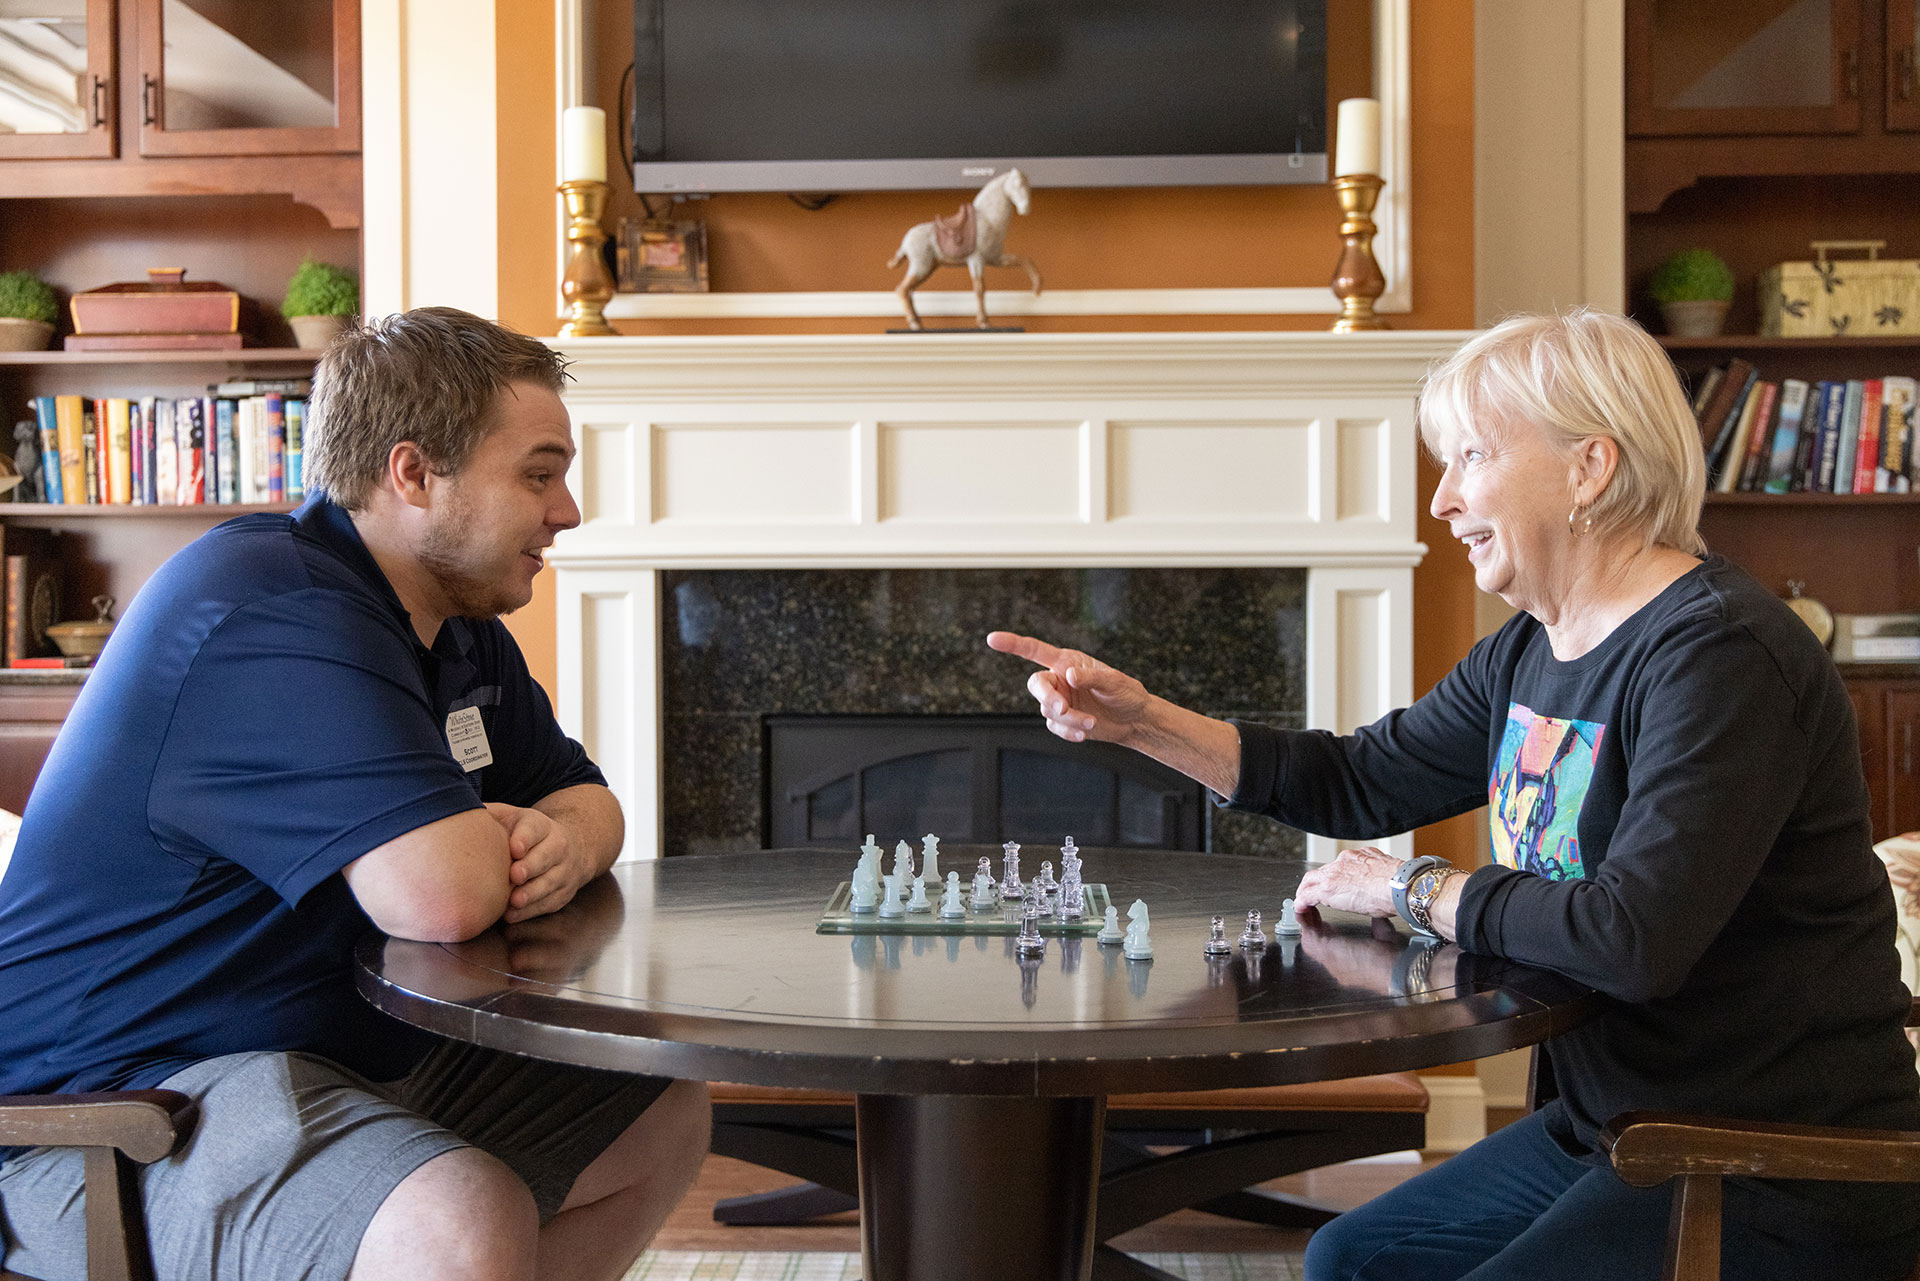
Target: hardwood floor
{"points": [[691, 1225]]}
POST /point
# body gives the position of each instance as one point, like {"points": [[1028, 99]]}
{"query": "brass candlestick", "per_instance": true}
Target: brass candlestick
{"points": [[1358, 280], [587, 285]]}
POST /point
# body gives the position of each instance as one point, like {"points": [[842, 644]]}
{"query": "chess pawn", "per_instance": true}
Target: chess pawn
{"points": [[890, 904], [1011, 890], [1110, 929], [1288, 926], [951, 909], [1030, 942], [983, 888], [903, 862], [1137, 947], [1217, 944], [1044, 888], [919, 903], [930, 858], [1254, 936]]}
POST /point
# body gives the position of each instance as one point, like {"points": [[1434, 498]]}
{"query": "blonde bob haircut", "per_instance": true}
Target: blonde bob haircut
{"points": [[1573, 377]]}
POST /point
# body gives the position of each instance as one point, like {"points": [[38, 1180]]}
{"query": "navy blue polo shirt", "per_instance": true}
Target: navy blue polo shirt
{"points": [[262, 716]]}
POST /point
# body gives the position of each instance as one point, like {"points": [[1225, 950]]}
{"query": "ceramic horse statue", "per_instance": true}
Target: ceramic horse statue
{"points": [[972, 235]]}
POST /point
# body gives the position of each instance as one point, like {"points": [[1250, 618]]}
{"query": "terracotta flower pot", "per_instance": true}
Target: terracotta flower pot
{"points": [[24, 335], [313, 333], [1695, 318]]}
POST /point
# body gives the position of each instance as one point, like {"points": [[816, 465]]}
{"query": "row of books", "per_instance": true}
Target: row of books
{"points": [[1837, 436], [244, 448]]}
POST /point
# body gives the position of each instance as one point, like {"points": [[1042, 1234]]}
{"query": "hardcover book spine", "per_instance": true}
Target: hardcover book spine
{"points": [[209, 453], [73, 459], [1896, 450], [1837, 397], [120, 449], [227, 450], [1866, 465], [49, 448], [296, 448], [246, 416], [190, 435], [166, 455], [274, 410], [1753, 467], [1727, 476], [90, 451], [1786, 436]]}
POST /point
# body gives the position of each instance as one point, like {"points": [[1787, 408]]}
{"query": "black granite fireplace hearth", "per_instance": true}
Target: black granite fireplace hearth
{"points": [[739, 646]]}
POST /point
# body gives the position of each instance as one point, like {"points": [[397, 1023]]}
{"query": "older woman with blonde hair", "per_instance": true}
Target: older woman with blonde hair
{"points": [[1678, 816]]}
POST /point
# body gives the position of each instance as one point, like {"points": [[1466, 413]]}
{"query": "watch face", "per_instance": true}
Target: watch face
{"points": [[1424, 885]]}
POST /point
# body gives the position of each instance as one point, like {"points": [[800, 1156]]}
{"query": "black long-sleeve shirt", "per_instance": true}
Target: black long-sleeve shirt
{"points": [[1680, 820]]}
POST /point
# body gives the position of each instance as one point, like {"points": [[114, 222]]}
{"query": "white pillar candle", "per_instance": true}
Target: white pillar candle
{"points": [[1357, 137], [583, 131]]}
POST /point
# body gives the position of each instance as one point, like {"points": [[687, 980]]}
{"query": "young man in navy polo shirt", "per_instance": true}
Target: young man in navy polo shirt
{"points": [[307, 727]]}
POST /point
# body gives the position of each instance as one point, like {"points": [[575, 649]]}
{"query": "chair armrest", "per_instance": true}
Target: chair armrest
{"points": [[144, 1124], [1648, 1148]]}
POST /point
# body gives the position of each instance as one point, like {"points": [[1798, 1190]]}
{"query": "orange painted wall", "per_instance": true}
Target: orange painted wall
{"points": [[1081, 239]]}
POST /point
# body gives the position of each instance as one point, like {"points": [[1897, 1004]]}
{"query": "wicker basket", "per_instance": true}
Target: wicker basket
{"points": [[1854, 298]]}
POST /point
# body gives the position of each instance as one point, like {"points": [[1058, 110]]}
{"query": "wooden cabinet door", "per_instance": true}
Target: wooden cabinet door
{"points": [[1903, 759], [242, 78], [1704, 67], [30, 719], [56, 63], [1903, 76]]}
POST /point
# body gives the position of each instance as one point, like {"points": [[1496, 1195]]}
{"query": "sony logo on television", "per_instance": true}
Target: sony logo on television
{"points": [[977, 171]]}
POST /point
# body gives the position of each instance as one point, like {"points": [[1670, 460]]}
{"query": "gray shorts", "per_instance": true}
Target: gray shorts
{"points": [[292, 1154]]}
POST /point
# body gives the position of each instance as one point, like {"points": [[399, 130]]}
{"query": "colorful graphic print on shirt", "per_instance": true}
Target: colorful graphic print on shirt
{"points": [[1537, 789]]}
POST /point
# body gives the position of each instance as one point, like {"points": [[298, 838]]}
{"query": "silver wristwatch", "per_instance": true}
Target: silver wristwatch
{"points": [[1414, 884]]}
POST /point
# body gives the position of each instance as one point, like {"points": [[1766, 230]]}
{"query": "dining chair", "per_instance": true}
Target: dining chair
{"points": [[116, 1131]]}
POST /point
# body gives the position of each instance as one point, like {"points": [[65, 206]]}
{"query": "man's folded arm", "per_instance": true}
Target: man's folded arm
{"points": [[439, 883]]}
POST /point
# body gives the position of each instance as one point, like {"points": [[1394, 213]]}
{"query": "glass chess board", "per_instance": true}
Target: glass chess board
{"points": [[840, 918]]}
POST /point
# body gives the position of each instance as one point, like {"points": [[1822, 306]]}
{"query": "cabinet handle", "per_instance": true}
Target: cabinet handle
{"points": [[1850, 74], [1906, 764], [99, 103], [1906, 74], [148, 113]]}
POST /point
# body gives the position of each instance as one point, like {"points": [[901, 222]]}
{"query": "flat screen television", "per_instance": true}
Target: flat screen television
{"points": [[853, 95]]}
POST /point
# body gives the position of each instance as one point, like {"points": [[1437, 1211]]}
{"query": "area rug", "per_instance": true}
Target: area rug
{"points": [[687, 1265]]}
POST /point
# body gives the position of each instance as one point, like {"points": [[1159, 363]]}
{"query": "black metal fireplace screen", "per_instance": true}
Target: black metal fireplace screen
{"points": [[831, 780]]}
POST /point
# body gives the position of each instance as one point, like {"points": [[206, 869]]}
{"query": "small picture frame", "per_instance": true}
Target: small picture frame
{"points": [[655, 256]]}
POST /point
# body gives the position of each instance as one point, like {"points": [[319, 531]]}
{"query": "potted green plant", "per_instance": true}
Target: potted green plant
{"points": [[1693, 288], [320, 298], [27, 311]]}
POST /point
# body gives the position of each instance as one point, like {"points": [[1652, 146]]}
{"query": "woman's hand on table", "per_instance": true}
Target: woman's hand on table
{"points": [[1355, 881]]}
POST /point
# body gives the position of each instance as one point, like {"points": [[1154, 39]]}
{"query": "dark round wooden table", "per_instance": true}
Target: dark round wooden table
{"points": [[981, 1076]]}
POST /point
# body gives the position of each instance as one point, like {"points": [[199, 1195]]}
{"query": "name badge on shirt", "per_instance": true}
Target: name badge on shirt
{"points": [[467, 739]]}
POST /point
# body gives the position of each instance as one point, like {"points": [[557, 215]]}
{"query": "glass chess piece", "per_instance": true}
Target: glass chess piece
{"points": [[1137, 946], [1011, 890], [1073, 893], [1110, 929], [1217, 944], [930, 858], [951, 908], [903, 863], [1253, 937], [890, 904], [1045, 888], [983, 886], [1030, 942], [919, 903], [1287, 926]]}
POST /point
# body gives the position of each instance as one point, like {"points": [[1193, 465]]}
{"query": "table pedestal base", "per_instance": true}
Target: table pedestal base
{"points": [[968, 1187]]}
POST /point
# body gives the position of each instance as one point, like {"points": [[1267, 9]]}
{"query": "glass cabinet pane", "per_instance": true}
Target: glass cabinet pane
{"points": [[1709, 55], [239, 64], [1763, 66], [43, 67]]}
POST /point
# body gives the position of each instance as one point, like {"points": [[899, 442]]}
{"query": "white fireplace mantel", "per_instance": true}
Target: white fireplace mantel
{"points": [[986, 450]]}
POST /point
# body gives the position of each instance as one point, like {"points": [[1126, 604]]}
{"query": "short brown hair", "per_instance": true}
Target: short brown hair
{"points": [[432, 376], [1574, 376]]}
